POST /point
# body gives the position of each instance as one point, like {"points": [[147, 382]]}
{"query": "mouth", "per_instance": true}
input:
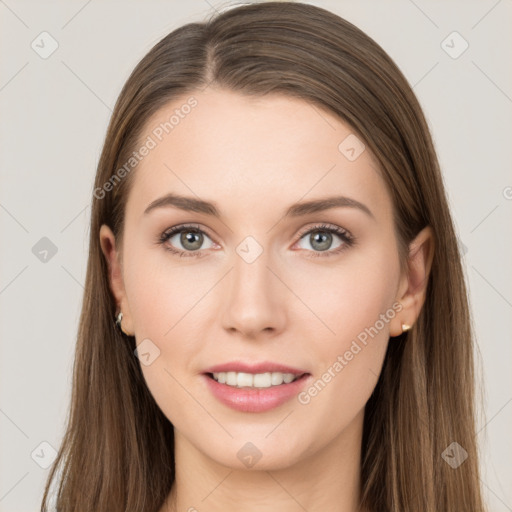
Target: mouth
{"points": [[255, 392], [245, 380]]}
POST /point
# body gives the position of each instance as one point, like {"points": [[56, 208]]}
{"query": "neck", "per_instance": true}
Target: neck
{"points": [[326, 479]]}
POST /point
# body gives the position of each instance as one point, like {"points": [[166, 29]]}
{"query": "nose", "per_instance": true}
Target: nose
{"points": [[254, 303]]}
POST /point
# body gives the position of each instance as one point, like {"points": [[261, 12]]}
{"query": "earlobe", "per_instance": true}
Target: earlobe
{"points": [[421, 255]]}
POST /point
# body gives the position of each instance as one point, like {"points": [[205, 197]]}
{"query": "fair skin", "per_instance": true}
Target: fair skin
{"points": [[254, 157]]}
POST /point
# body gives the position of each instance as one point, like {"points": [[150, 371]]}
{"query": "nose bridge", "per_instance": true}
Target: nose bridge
{"points": [[254, 301], [250, 272]]}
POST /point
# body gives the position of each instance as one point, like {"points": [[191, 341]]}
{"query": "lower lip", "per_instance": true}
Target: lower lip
{"points": [[255, 399]]}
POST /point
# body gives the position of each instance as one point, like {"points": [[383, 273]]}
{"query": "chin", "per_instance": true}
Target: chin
{"points": [[255, 452]]}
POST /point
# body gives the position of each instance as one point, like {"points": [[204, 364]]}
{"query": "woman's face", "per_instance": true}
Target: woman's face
{"points": [[254, 286]]}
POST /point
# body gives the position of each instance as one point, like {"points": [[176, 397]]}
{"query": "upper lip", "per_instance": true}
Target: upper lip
{"points": [[263, 367]]}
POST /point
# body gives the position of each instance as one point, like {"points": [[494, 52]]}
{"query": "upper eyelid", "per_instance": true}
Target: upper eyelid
{"points": [[328, 227]]}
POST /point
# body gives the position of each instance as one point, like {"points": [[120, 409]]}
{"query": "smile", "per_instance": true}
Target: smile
{"points": [[255, 392], [254, 380]]}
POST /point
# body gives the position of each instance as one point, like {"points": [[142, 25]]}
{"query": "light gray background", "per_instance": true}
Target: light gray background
{"points": [[54, 115]]}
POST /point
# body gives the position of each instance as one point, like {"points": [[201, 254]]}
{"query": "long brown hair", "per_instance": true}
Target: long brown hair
{"points": [[117, 453]]}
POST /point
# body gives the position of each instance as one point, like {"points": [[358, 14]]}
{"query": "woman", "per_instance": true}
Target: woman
{"points": [[275, 315]]}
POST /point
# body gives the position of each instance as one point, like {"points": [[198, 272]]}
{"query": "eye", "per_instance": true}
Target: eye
{"points": [[189, 237], [320, 238]]}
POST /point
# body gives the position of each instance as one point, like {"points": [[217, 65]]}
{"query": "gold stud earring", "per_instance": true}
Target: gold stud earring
{"points": [[405, 327], [118, 321]]}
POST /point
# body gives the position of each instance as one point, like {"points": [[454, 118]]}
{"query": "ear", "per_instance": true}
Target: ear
{"points": [[115, 272], [413, 286]]}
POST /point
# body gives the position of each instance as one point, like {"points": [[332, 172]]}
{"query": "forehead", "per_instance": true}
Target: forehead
{"points": [[251, 152]]}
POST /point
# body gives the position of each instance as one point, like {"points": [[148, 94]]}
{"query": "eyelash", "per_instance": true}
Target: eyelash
{"points": [[347, 238]]}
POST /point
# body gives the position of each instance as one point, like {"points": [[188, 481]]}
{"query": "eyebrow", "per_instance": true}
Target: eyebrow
{"points": [[192, 204]]}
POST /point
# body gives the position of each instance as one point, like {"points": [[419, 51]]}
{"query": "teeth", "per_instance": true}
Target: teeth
{"points": [[254, 380]]}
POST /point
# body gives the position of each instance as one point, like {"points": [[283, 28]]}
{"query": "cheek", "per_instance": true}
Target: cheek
{"points": [[166, 307], [349, 298], [163, 311], [161, 294], [354, 309]]}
